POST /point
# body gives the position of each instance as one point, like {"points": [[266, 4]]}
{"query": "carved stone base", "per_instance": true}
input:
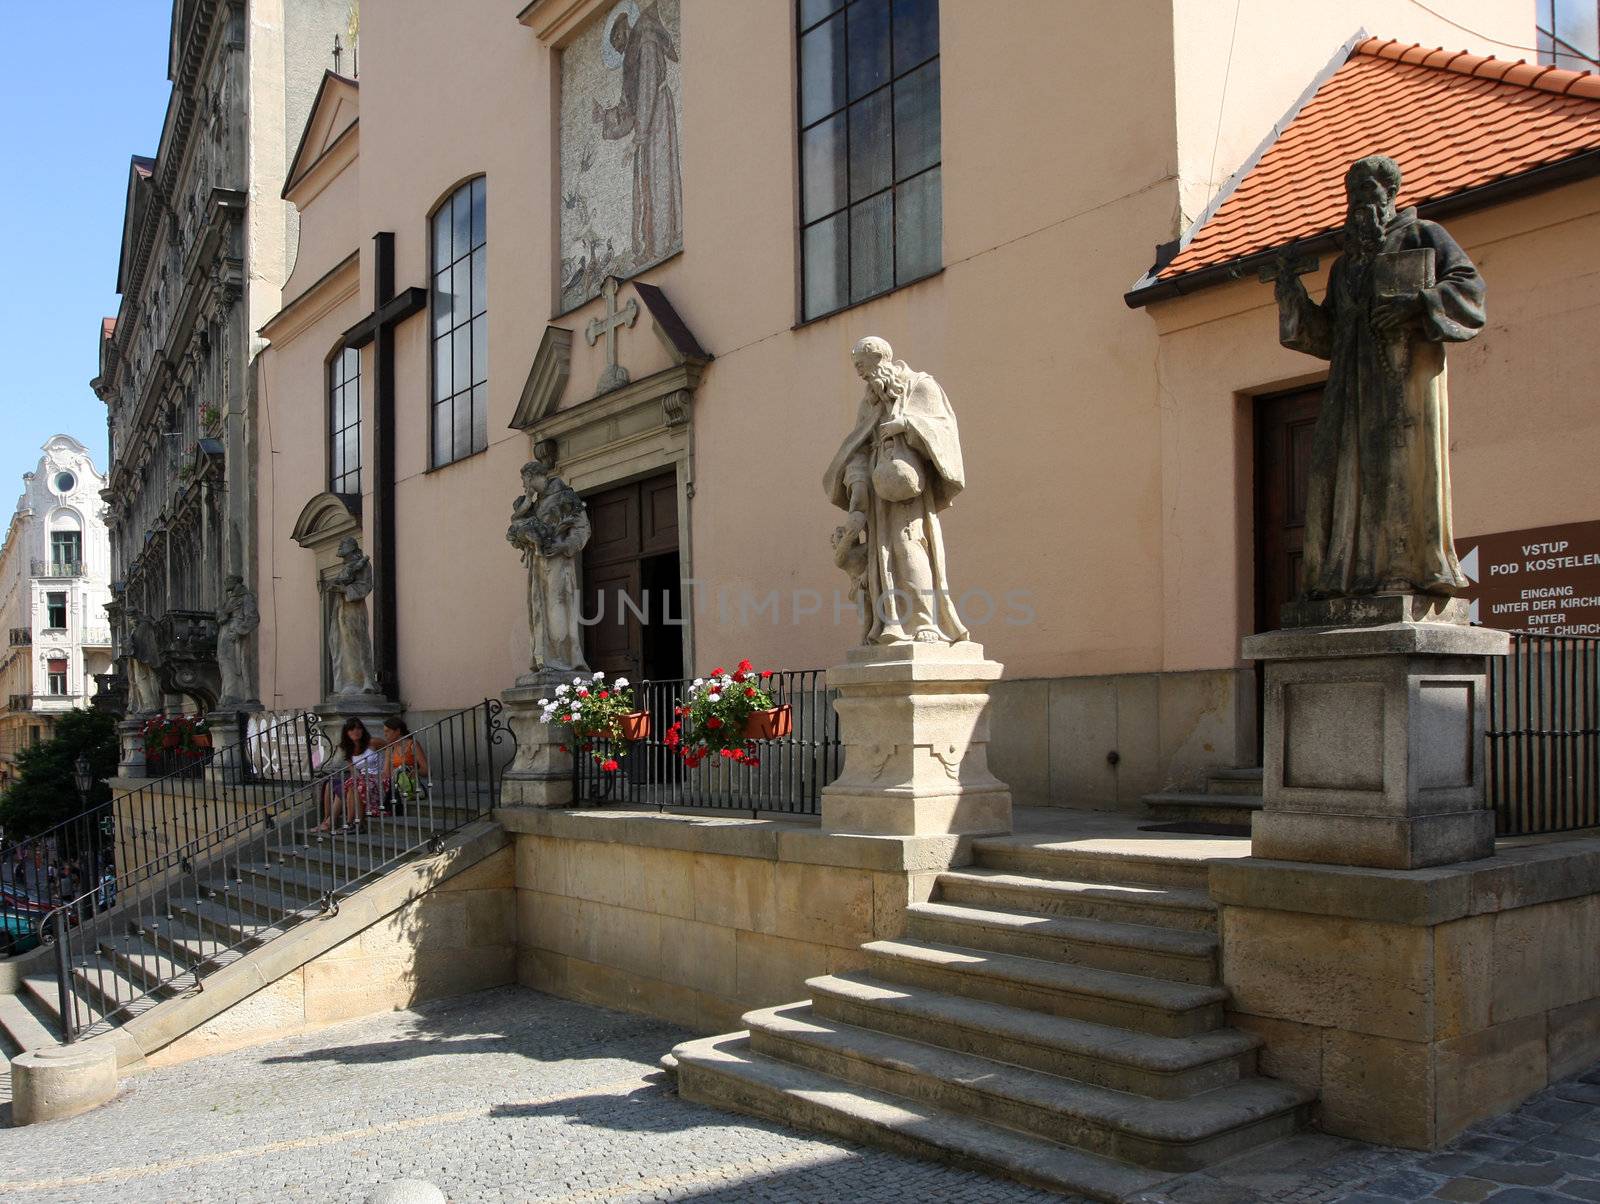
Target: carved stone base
{"points": [[371, 709], [1376, 609], [541, 774], [229, 731], [915, 726], [130, 736], [1373, 746]]}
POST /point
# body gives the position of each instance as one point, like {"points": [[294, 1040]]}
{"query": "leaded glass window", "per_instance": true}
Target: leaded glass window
{"points": [[459, 326], [344, 422], [870, 204]]}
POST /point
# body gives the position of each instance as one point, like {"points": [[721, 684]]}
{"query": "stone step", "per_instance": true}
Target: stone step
{"points": [[182, 941], [228, 923], [1163, 907], [1164, 1134], [297, 885], [101, 985], [1202, 807], [325, 856], [144, 961], [725, 1072], [1235, 781], [1078, 862], [1166, 953], [1158, 1067], [44, 999], [1147, 1005], [22, 1028]]}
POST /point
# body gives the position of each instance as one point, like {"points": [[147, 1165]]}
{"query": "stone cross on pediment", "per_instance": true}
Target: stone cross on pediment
{"points": [[606, 327]]}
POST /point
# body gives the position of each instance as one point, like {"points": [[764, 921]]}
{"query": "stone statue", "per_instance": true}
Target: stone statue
{"points": [[237, 619], [550, 526], [349, 636], [144, 660], [895, 472], [1378, 508], [850, 554]]}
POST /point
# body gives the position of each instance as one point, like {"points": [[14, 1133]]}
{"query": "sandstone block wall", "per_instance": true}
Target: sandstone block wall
{"points": [[1416, 1002], [698, 920]]}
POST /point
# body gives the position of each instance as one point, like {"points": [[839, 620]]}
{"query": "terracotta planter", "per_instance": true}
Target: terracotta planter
{"points": [[202, 740], [636, 725], [769, 725]]}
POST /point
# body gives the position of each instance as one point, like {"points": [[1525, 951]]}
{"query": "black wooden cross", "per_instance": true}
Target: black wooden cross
{"points": [[377, 328]]}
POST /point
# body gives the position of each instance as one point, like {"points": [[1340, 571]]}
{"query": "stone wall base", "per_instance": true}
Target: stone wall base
{"points": [[699, 919], [1050, 739], [1417, 1001]]}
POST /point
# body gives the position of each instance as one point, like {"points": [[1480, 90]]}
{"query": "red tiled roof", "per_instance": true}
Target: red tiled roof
{"points": [[1453, 121]]}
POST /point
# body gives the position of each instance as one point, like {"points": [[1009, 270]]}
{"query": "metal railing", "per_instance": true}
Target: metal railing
{"points": [[789, 777], [57, 568], [21, 637], [19, 702], [198, 907], [1543, 746], [92, 854]]}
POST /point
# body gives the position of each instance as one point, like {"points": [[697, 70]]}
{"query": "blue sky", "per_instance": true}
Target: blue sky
{"points": [[83, 86]]}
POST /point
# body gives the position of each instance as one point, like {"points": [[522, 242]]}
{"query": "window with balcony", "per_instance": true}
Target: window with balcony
{"points": [[66, 553], [56, 677], [55, 610]]}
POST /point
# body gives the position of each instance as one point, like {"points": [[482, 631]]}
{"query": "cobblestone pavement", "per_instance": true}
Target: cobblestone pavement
{"points": [[515, 1096]]}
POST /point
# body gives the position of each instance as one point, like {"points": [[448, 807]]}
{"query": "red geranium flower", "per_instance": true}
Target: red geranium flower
{"points": [[605, 693], [749, 691], [766, 673], [562, 747], [717, 672], [609, 765], [745, 666], [713, 723]]}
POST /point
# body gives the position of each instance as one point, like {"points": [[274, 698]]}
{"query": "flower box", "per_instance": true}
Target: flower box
{"points": [[772, 724]]}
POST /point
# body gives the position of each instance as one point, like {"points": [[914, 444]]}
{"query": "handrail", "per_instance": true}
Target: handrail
{"points": [[147, 817], [103, 980]]}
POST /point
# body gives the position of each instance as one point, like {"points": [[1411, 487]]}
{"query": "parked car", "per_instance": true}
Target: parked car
{"points": [[22, 921]]}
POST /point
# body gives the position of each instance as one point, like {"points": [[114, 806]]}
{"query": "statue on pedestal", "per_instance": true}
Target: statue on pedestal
{"points": [[1378, 507], [349, 635], [237, 618], [897, 469], [144, 659], [550, 526]]}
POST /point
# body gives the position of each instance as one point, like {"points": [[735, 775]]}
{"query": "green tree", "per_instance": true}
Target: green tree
{"points": [[44, 792]]}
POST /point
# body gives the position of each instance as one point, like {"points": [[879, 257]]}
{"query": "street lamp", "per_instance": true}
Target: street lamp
{"points": [[83, 778]]}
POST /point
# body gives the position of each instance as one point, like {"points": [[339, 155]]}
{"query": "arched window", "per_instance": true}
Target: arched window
{"points": [[344, 421], [460, 326]]}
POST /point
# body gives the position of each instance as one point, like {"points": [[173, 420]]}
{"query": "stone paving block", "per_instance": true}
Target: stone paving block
{"points": [[1466, 1191], [1583, 1189]]}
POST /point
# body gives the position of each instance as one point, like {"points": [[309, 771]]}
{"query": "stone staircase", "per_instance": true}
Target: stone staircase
{"points": [[143, 973], [1052, 1015], [1229, 797]]}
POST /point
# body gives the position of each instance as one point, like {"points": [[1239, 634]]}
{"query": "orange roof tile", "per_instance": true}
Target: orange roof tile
{"points": [[1453, 121]]}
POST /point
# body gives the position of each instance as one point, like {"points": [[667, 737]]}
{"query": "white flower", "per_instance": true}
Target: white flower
{"points": [[575, 716], [713, 697], [697, 683], [562, 689], [577, 681], [544, 702], [620, 682], [599, 676]]}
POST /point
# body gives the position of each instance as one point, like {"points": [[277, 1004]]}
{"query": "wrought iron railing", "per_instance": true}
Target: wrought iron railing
{"points": [[196, 908], [1543, 754], [92, 854], [789, 777]]}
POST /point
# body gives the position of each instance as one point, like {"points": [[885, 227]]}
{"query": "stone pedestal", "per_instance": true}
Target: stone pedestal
{"points": [[1373, 753], [371, 709], [541, 774], [130, 738], [915, 726], [229, 731]]}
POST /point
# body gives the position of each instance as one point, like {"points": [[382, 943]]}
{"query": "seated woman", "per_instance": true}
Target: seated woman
{"points": [[355, 776], [405, 765]]}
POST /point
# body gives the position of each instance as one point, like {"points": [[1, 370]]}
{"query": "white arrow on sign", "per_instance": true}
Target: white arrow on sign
{"points": [[1472, 613], [1469, 564]]}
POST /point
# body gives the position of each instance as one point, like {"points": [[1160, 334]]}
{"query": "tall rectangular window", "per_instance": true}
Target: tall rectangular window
{"points": [[460, 326], [56, 669], [66, 553], [1569, 33], [55, 610], [344, 422], [871, 216]]}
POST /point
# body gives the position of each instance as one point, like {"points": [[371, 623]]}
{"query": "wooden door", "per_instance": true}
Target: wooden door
{"points": [[635, 527], [1284, 424]]}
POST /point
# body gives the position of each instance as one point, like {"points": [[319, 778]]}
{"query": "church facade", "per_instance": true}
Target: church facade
{"points": [[641, 247]]}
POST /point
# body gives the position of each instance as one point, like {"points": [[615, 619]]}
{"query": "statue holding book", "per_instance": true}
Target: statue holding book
{"points": [[1378, 507]]}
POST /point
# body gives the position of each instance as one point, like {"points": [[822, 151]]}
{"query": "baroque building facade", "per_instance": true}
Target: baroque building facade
{"points": [[206, 246], [55, 573]]}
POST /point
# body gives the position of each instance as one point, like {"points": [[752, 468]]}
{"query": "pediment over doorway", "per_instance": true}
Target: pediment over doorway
{"points": [[326, 519]]}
